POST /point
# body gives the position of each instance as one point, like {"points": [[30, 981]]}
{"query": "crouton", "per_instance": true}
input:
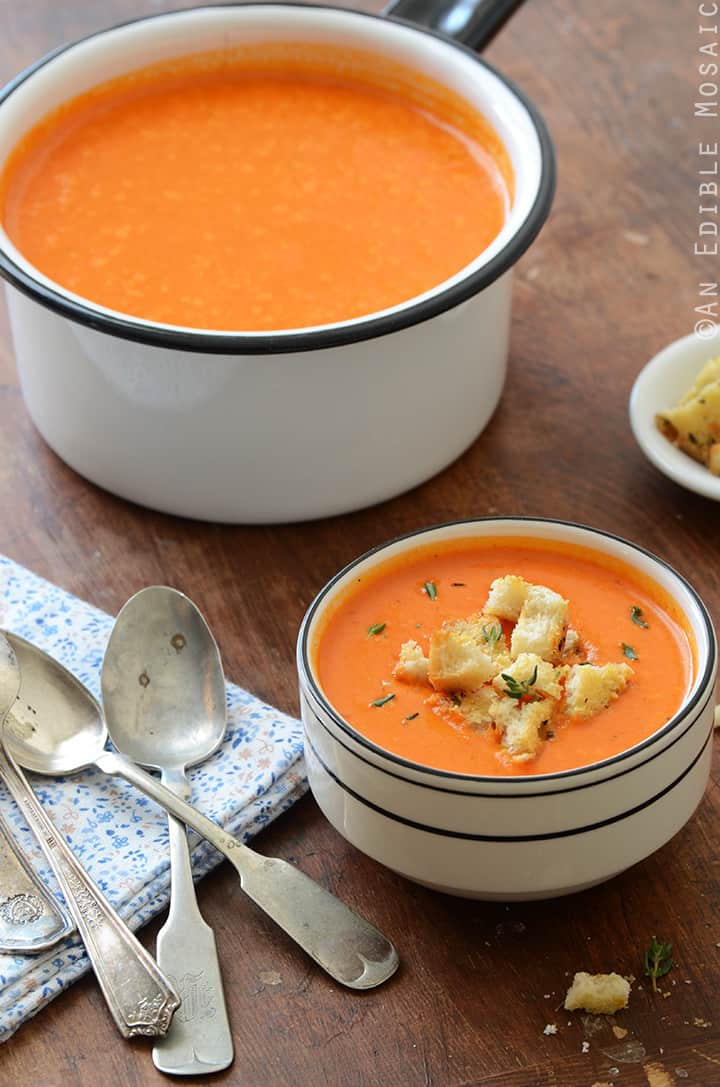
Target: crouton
{"points": [[521, 725], [475, 706], [694, 424], [547, 676], [412, 665], [507, 596], [572, 644], [465, 653], [591, 687], [541, 624], [599, 994], [708, 375]]}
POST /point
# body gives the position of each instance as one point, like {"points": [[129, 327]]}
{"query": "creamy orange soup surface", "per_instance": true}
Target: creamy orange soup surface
{"points": [[616, 610], [254, 190]]}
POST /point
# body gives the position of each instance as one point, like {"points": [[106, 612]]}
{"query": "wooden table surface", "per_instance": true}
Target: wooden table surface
{"points": [[610, 280]]}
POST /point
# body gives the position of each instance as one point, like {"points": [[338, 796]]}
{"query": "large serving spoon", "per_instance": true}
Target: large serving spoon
{"points": [[139, 997], [64, 731], [163, 693]]}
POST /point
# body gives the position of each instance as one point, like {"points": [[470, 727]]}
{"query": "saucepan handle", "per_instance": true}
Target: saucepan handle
{"points": [[472, 22]]}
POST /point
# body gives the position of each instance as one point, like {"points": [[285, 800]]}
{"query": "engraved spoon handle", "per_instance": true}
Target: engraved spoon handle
{"points": [[31, 920], [347, 946], [199, 1040], [139, 997]]}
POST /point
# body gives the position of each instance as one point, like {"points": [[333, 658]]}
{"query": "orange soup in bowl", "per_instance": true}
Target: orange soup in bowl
{"points": [[505, 656], [234, 191]]}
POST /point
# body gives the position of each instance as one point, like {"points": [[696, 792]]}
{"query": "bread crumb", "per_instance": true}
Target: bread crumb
{"points": [[704, 1023], [619, 1032], [585, 1047], [600, 994], [656, 1074], [550, 1028]]}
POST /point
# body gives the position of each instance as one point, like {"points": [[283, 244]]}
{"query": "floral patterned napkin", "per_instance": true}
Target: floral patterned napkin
{"points": [[118, 834]]}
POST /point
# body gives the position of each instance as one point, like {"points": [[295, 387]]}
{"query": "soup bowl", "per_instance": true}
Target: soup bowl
{"points": [[292, 423], [511, 837]]}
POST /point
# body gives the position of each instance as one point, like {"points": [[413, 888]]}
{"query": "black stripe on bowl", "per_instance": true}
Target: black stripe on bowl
{"points": [[512, 837], [526, 793]]}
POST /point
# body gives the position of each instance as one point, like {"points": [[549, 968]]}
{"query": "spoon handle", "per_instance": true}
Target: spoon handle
{"points": [[344, 944], [30, 919], [199, 1040], [139, 997]]}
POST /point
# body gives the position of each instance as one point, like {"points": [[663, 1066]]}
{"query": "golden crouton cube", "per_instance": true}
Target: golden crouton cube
{"points": [[694, 424], [475, 706], [507, 596], [546, 677], [521, 724], [709, 374], [456, 661], [541, 624], [412, 665], [591, 687], [599, 994]]}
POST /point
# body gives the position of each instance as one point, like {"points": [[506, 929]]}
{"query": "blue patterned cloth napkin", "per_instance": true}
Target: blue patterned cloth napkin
{"points": [[118, 834]]}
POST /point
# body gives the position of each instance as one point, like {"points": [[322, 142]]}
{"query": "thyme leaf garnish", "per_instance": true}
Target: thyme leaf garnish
{"points": [[657, 961], [521, 688], [628, 651], [382, 701], [411, 717], [376, 628], [636, 614], [431, 589], [492, 634]]}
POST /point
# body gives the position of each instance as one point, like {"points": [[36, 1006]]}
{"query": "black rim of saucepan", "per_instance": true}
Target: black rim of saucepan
{"points": [[231, 343], [307, 676]]}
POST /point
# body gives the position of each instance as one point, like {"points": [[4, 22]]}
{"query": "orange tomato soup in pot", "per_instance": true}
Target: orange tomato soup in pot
{"points": [[504, 656], [257, 190]]}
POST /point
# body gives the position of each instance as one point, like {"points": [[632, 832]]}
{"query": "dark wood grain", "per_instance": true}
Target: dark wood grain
{"points": [[610, 280]]}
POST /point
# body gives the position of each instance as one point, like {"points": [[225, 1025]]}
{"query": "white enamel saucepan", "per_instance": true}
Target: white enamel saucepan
{"points": [[294, 423]]}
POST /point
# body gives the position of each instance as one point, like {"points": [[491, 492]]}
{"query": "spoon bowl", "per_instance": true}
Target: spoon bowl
{"points": [[56, 726], [163, 688]]}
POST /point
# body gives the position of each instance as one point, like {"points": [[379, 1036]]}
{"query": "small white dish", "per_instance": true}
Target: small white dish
{"points": [[659, 386]]}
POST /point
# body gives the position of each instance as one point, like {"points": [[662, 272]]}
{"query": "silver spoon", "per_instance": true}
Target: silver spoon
{"points": [[139, 997], [69, 735], [30, 919], [164, 697]]}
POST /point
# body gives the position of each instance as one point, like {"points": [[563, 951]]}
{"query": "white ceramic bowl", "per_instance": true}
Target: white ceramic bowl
{"points": [[520, 837], [659, 386], [255, 426]]}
